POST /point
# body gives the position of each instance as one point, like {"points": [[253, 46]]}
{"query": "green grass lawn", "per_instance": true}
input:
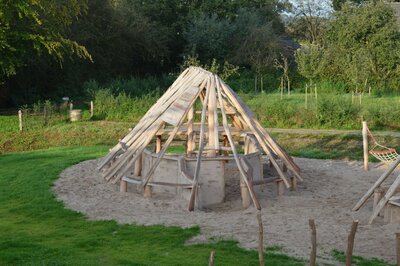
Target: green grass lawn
{"points": [[36, 229]]}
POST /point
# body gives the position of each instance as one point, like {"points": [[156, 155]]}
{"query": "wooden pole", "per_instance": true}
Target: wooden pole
{"points": [[260, 240], [315, 91], [306, 96], [190, 136], [350, 243], [211, 260], [243, 173], [91, 109], [378, 182], [365, 144], [71, 106], [20, 119], [201, 148], [313, 232], [398, 248], [123, 186]]}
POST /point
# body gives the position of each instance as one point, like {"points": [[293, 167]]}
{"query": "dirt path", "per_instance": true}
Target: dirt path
{"points": [[306, 131], [328, 193]]}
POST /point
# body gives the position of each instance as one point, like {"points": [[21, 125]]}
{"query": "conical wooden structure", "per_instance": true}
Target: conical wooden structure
{"points": [[223, 116]]}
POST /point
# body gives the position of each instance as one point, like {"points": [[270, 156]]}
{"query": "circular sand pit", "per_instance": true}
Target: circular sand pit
{"points": [[329, 191]]}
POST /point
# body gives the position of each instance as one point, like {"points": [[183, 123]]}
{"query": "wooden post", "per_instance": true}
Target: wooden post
{"points": [[158, 144], [71, 106], [123, 186], [260, 240], [280, 187], [212, 134], [91, 109], [190, 136], [211, 260], [293, 183], [20, 119], [398, 248], [352, 97], [313, 255], [244, 193], [365, 144], [350, 243], [315, 91], [226, 144], [306, 96]]}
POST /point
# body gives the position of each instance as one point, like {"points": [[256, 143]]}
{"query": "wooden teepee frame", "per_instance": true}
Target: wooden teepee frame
{"points": [[177, 106]]}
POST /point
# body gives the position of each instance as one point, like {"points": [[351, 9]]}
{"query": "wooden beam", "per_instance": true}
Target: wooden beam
{"points": [[238, 162], [201, 147], [380, 180], [385, 199]]}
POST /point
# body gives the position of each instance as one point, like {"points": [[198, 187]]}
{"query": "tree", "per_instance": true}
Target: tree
{"points": [[366, 42], [30, 27], [309, 18]]}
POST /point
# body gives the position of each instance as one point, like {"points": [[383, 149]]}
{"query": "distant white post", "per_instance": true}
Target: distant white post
{"points": [[365, 144], [91, 109], [20, 120]]}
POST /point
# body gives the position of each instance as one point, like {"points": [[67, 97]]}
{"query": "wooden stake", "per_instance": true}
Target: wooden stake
{"points": [[211, 260], [313, 232], [350, 243], [260, 239], [91, 109], [365, 144], [20, 120], [306, 96], [398, 248], [315, 91]]}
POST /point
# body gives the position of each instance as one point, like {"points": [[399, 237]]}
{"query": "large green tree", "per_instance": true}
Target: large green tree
{"points": [[30, 27]]}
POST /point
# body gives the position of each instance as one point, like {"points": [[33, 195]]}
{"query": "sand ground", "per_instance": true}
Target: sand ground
{"points": [[329, 191]]}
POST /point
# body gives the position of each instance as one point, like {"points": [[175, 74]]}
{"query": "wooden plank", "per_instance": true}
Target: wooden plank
{"points": [[169, 140], [193, 77], [246, 112], [201, 147], [191, 144], [212, 121], [385, 199], [139, 146], [256, 133], [235, 154], [380, 180], [173, 114], [125, 164], [184, 76]]}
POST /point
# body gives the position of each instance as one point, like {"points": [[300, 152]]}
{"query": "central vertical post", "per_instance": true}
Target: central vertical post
{"points": [[212, 110]]}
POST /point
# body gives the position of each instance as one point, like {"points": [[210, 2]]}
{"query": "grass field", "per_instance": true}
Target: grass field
{"points": [[38, 230]]}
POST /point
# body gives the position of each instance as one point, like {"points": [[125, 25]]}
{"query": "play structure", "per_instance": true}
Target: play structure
{"points": [[386, 198], [221, 136]]}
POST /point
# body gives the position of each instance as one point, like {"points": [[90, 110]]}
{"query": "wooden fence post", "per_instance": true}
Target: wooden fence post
{"points": [[91, 109], [211, 260], [398, 248], [260, 240], [306, 96], [20, 119], [350, 243], [365, 144], [313, 255]]}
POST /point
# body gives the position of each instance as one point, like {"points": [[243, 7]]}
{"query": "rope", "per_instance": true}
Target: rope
{"points": [[386, 155]]}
